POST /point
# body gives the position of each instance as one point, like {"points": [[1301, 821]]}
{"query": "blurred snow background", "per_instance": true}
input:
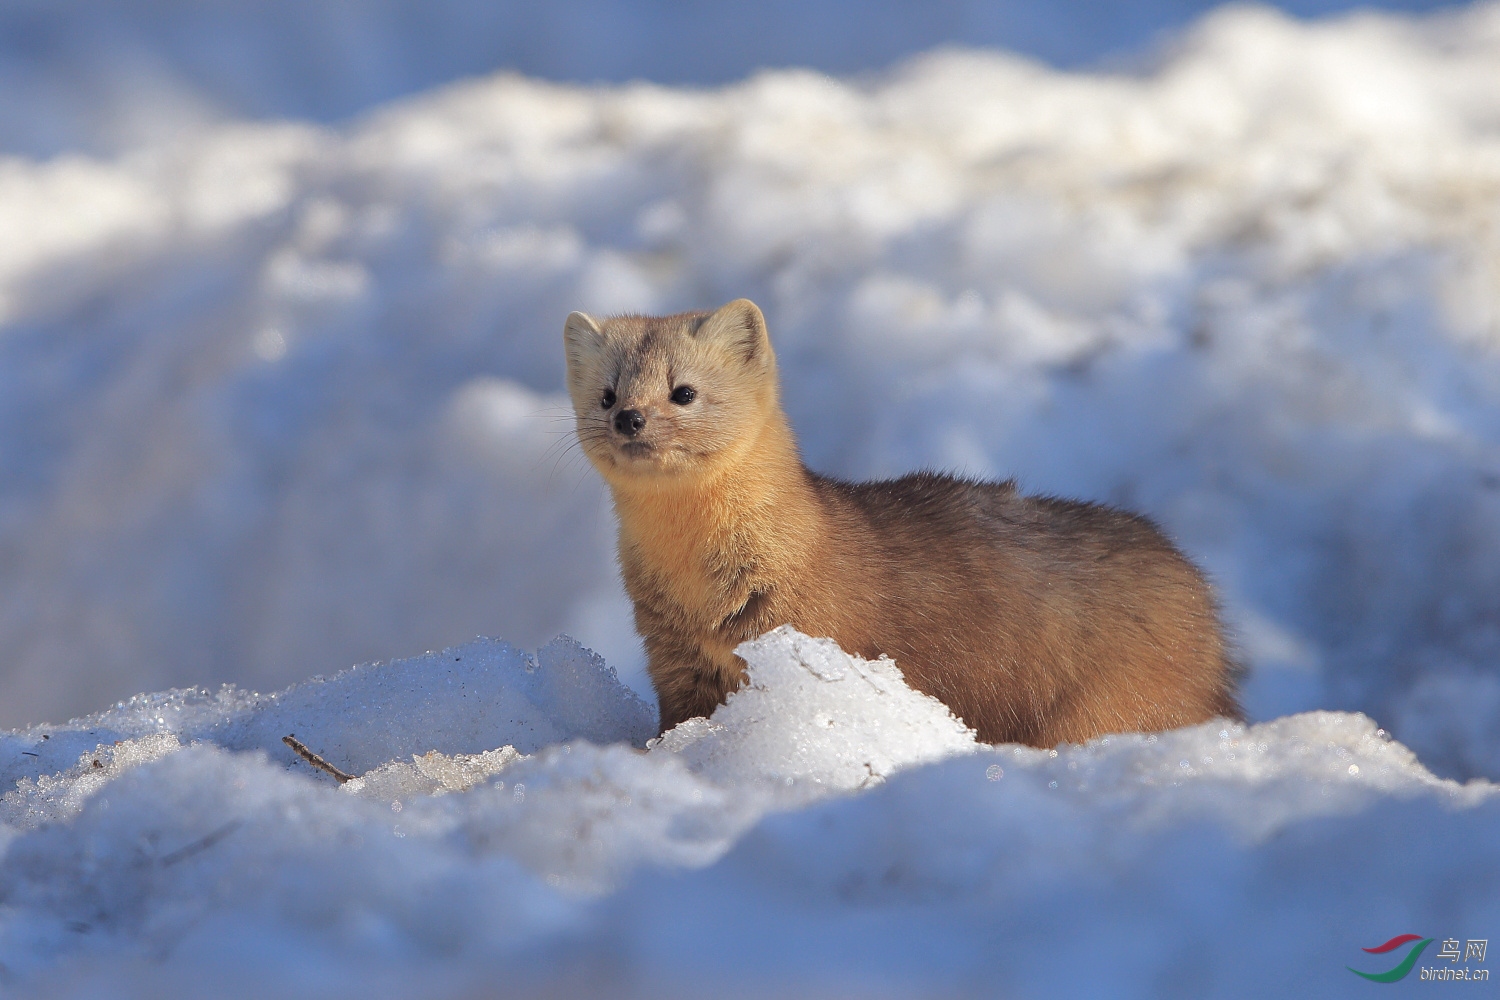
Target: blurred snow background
{"points": [[81, 75], [280, 392]]}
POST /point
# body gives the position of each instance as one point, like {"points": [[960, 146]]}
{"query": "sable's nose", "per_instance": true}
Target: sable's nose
{"points": [[630, 422]]}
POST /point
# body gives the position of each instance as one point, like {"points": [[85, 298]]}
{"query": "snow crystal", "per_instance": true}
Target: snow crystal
{"points": [[431, 773], [54, 798]]}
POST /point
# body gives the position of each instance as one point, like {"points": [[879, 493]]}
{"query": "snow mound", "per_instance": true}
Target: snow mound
{"points": [[811, 713], [1253, 780], [464, 700]]}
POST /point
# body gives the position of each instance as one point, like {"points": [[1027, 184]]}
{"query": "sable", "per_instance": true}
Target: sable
{"points": [[1036, 620]]}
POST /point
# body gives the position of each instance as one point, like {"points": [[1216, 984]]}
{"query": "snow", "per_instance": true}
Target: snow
{"points": [[814, 717], [280, 396], [822, 816]]}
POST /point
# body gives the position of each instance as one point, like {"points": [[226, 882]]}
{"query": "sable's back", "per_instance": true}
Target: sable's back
{"points": [[948, 515], [1036, 619]]}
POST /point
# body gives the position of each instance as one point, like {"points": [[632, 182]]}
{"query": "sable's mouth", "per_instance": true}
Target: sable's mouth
{"points": [[636, 449]]}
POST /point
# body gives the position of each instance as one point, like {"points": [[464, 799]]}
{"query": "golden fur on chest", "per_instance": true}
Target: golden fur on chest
{"points": [[1035, 620], [709, 564]]}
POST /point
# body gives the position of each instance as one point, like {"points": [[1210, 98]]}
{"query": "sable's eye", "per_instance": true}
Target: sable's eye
{"points": [[683, 395], [608, 399]]}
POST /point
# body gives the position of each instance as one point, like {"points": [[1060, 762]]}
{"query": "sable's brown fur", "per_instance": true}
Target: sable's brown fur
{"points": [[1035, 620]]}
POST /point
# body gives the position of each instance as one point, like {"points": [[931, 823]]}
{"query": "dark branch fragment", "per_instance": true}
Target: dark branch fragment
{"points": [[200, 845], [314, 759]]}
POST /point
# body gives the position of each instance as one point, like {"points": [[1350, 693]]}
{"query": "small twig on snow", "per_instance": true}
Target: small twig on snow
{"points": [[315, 760], [199, 845]]}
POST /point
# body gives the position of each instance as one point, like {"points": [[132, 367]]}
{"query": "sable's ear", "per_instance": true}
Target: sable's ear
{"points": [[581, 339], [740, 327]]}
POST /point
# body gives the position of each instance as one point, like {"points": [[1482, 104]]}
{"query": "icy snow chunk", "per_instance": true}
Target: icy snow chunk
{"points": [[584, 697], [55, 797], [812, 718], [49, 749], [431, 773]]}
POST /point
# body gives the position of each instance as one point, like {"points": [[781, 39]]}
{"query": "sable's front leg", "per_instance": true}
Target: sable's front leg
{"points": [[688, 684], [701, 701]]}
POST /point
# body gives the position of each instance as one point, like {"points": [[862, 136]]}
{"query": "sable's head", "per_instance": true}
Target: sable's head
{"points": [[659, 396]]}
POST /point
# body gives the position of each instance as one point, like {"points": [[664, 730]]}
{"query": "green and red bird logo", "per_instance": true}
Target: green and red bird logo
{"points": [[1405, 965]]}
